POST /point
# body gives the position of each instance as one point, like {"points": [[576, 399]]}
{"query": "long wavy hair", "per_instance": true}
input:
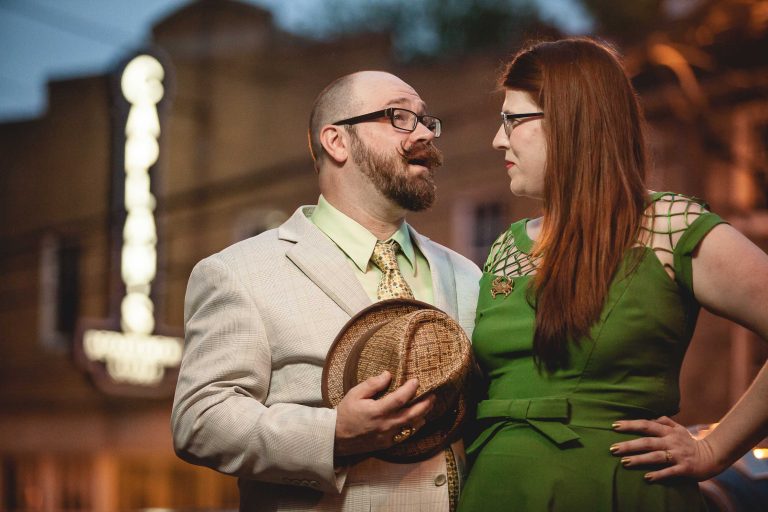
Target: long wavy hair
{"points": [[594, 191]]}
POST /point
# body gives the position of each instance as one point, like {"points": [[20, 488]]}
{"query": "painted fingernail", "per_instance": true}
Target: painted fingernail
{"points": [[615, 425], [625, 461], [614, 448]]}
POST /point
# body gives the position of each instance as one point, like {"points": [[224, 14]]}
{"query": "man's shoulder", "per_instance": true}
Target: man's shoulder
{"points": [[269, 243], [265, 243]]}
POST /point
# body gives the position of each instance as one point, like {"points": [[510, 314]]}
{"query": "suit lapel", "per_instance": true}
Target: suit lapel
{"points": [[441, 269], [323, 262]]}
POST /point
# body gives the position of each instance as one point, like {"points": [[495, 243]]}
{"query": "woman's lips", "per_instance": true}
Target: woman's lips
{"points": [[509, 164]]}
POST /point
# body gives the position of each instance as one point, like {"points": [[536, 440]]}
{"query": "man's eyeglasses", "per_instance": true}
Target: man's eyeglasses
{"points": [[510, 121], [401, 118]]}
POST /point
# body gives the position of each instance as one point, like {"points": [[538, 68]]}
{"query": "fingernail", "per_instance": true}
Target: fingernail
{"points": [[625, 461], [615, 425], [614, 448], [647, 478]]}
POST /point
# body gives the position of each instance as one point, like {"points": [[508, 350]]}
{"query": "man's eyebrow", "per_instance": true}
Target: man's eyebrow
{"points": [[405, 101]]}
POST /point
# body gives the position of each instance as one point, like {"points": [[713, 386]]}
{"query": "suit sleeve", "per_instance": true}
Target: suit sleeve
{"points": [[219, 418]]}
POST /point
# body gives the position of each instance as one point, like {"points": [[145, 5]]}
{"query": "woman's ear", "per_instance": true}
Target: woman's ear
{"points": [[335, 142]]}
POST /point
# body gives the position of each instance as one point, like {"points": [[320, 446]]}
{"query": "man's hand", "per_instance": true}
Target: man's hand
{"points": [[364, 424]]}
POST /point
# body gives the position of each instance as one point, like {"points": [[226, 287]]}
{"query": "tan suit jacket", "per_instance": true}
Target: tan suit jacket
{"points": [[259, 319]]}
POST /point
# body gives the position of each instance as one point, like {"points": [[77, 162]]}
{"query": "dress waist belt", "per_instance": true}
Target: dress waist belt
{"points": [[553, 416]]}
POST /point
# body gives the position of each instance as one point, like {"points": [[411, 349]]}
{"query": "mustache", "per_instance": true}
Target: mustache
{"points": [[421, 153]]}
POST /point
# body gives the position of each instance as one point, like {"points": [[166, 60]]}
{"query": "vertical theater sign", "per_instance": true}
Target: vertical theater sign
{"points": [[129, 353]]}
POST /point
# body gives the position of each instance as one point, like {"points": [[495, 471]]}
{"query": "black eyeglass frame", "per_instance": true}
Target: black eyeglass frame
{"points": [[390, 114], [508, 119]]}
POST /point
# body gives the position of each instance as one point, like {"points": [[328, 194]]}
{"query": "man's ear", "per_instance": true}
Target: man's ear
{"points": [[335, 142]]}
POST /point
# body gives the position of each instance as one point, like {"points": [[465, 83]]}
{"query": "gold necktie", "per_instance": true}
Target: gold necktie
{"points": [[392, 284]]}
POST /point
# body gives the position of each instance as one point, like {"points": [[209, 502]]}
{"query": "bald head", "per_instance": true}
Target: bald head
{"points": [[346, 97]]}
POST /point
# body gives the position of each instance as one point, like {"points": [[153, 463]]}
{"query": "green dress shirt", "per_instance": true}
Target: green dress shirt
{"points": [[357, 243]]}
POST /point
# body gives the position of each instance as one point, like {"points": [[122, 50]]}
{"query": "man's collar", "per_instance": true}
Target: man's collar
{"points": [[355, 240]]}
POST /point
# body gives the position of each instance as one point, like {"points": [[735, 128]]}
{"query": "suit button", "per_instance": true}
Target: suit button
{"points": [[440, 480]]}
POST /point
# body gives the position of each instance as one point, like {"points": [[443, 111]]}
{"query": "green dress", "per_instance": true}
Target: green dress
{"points": [[544, 438]]}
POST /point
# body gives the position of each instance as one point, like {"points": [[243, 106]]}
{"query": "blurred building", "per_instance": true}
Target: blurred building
{"points": [[233, 161]]}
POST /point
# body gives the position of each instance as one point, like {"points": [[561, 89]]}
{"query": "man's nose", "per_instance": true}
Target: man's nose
{"points": [[422, 133]]}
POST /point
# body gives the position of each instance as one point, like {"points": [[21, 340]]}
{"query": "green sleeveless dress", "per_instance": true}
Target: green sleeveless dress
{"points": [[544, 438]]}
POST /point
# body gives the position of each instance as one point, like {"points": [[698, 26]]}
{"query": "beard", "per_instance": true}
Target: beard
{"points": [[389, 173]]}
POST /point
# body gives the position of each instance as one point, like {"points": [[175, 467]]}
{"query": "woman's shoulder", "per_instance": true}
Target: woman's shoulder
{"points": [[675, 201], [673, 225], [671, 214]]}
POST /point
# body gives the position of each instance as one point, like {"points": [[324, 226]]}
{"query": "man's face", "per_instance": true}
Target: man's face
{"points": [[390, 172], [400, 164]]}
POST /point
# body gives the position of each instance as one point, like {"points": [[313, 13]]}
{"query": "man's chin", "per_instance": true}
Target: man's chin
{"points": [[415, 202]]}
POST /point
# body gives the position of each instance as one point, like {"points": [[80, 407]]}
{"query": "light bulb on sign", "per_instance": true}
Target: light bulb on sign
{"points": [[142, 80], [141, 151], [138, 314]]}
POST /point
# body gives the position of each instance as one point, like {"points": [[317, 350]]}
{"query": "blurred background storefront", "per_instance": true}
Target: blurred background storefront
{"points": [[217, 152]]}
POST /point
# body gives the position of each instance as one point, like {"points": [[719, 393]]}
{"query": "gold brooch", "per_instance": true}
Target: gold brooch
{"points": [[501, 285]]}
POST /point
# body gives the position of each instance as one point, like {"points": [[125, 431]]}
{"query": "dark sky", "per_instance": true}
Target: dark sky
{"points": [[54, 39]]}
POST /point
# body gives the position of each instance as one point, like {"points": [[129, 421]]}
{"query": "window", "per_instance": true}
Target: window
{"points": [[59, 290], [489, 221]]}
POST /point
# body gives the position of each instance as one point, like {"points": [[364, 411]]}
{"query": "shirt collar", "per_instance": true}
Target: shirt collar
{"points": [[353, 239]]}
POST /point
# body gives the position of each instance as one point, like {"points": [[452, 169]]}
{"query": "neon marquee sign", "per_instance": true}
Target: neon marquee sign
{"points": [[135, 359]]}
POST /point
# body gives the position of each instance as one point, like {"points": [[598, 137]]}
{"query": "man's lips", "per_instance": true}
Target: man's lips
{"points": [[509, 164]]}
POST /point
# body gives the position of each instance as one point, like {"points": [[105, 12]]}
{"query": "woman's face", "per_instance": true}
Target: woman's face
{"points": [[525, 149]]}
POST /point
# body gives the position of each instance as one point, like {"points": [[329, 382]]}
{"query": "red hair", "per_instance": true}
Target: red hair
{"points": [[594, 191]]}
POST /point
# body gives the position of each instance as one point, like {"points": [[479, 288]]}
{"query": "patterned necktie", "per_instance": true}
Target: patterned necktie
{"points": [[392, 284]]}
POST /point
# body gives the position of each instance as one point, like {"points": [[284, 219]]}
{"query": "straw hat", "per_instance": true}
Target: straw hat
{"points": [[410, 339]]}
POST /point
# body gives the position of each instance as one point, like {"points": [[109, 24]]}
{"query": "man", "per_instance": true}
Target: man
{"points": [[261, 315]]}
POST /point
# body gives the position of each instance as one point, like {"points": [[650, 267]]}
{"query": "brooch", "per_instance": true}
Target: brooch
{"points": [[501, 285]]}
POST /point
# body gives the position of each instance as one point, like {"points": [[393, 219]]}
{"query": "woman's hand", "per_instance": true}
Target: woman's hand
{"points": [[667, 444]]}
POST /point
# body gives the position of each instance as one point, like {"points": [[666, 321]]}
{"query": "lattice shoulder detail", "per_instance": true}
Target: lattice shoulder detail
{"points": [[665, 220], [506, 259]]}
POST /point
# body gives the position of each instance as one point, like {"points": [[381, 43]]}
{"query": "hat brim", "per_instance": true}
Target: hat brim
{"points": [[431, 438]]}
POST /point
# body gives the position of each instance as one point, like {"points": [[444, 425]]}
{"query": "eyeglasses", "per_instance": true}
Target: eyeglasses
{"points": [[401, 118], [510, 121]]}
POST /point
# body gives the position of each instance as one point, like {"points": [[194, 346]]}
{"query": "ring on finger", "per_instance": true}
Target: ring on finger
{"points": [[405, 432], [668, 456]]}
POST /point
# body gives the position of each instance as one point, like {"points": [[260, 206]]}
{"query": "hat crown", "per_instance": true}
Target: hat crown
{"points": [[396, 335], [424, 344]]}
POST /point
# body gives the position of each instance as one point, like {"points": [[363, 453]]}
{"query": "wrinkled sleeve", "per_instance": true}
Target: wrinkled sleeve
{"points": [[219, 419]]}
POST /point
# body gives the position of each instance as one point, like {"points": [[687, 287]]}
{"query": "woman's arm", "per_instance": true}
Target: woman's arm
{"points": [[730, 279]]}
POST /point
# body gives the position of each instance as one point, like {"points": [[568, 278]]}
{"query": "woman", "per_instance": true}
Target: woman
{"points": [[616, 274]]}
